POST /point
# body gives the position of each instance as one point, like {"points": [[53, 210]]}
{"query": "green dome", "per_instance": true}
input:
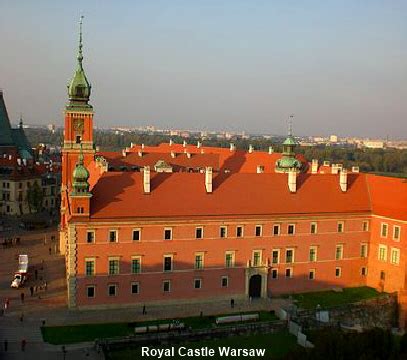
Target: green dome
{"points": [[290, 141], [80, 173]]}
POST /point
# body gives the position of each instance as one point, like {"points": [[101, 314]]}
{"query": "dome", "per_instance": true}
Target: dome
{"points": [[80, 173], [79, 87]]}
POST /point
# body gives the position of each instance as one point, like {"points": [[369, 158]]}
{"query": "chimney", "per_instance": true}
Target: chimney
{"points": [[146, 179], [199, 144], [184, 144], [173, 155], [142, 146], [355, 169], [292, 180], [208, 179], [251, 148], [131, 144], [260, 169], [140, 153], [171, 142], [189, 155], [124, 152], [202, 151], [334, 169], [343, 180], [232, 147], [314, 166], [271, 150]]}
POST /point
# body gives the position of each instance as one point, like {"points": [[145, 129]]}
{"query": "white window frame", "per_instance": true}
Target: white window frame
{"points": [[115, 292], [138, 287], [117, 236], [261, 257], [382, 227], [272, 271], [136, 257], [313, 247], [139, 234], [220, 231], [113, 258], [361, 271], [293, 257], [202, 232], [171, 234], [242, 227], [200, 284], [202, 254], [224, 277], [230, 252], [94, 291], [91, 259], [279, 229], [261, 230], [367, 225], [394, 232], [316, 228], [172, 262], [278, 256], [338, 246], [342, 223], [394, 261], [338, 274], [311, 271], [379, 253], [364, 254], [291, 272], [288, 227], [94, 236], [169, 286]]}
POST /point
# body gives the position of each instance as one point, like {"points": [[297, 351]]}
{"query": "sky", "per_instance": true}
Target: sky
{"points": [[339, 66]]}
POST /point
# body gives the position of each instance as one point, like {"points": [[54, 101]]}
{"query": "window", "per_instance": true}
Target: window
{"points": [[114, 266], [90, 267], [396, 232], [197, 283], [363, 250], [168, 263], [395, 256], [339, 252], [274, 273], [363, 271], [313, 228], [166, 285], [275, 256], [276, 229], [289, 256], [258, 230], [90, 237], [338, 272], [90, 291], [113, 236], [199, 233], [365, 226], [340, 226], [112, 289], [229, 259], [167, 234], [384, 230], [223, 231], [311, 274], [382, 275], [224, 281], [382, 253], [289, 273], [199, 261], [313, 253], [135, 287], [291, 229], [78, 139], [136, 234], [256, 258], [239, 231], [136, 265]]}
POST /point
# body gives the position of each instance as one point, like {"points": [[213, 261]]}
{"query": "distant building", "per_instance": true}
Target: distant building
{"points": [[333, 139], [21, 169], [374, 144]]}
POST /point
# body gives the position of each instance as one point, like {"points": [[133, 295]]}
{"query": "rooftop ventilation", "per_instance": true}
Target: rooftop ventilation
{"points": [[146, 179], [208, 179], [343, 180], [314, 166], [292, 180]]}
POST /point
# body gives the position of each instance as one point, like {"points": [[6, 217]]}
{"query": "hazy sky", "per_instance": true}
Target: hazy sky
{"points": [[339, 66]]}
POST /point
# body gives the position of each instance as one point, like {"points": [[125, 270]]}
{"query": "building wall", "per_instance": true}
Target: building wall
{"points": [[152, 248]]}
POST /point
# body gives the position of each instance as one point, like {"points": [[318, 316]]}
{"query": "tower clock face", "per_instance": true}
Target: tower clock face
{"points": [[78, 125]]}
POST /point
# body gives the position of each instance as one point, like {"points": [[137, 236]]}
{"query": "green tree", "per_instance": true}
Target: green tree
{"points": [[34, 198]]}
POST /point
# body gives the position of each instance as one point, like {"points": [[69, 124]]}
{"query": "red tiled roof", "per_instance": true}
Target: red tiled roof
{"points": [[388, 196], [120, 195]]}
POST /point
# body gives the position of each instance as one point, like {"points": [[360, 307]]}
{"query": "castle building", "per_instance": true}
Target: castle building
{"points": [[179, 222], [23, 172]]}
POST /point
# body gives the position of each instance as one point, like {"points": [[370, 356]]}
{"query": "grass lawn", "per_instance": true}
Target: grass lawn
{"points": [[276, 345], [331, 298], [88, 332]]}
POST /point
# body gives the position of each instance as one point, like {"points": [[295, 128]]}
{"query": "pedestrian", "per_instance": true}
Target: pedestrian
{"points": [[50, 251], [6, 304], [23, 344], [22, 297], [5, 345], [31, 290], [232, 303], [144, 310], [21, 317], [36, 274], [36, 288]]}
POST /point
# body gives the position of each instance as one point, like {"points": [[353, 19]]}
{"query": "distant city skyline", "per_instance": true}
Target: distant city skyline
{"points": [[213, 65]]}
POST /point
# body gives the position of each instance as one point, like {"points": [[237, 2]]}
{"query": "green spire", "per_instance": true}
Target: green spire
{"points": [[80, 185], [79, 88], [288, 160]]}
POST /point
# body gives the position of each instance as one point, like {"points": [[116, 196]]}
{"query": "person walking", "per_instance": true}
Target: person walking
{"points": [[23, 344], [36, 274], [22, 297], [232, 303], [144, 310], [32, 290]]}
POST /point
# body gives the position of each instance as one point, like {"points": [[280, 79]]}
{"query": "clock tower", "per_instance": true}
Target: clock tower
{"points": [[78, 133]]}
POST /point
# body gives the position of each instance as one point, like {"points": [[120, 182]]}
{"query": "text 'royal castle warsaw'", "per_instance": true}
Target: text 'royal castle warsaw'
{"points": [[182, 222]]}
